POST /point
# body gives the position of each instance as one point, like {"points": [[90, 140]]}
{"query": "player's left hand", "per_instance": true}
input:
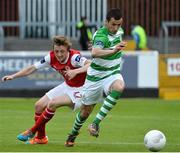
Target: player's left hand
{"points": [[70, 73], [90, 45]]}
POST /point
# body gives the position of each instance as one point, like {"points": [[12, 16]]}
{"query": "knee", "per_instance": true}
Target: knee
{"points": [[39, 108], [86, 111], [85, 114], [52, 105], [119, 86]]}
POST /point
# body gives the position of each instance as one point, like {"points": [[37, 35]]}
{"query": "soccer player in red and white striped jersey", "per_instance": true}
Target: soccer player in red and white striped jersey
{"points": [[72, 66]]}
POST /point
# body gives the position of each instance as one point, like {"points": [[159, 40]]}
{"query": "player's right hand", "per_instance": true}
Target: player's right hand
{"points": [[90, 45], [6, 78], [120, 46]]}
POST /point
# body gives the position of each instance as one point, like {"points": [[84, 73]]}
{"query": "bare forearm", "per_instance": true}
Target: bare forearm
{"points": [[84, 68], [97, 52], [24, 72], [21, 73], [72, 73]]}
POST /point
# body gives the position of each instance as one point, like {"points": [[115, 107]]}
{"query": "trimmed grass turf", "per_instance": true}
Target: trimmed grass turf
{"points": [[122, 131]]}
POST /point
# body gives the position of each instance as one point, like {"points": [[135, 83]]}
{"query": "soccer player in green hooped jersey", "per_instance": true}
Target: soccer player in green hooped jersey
{"points": [[103, 75]]}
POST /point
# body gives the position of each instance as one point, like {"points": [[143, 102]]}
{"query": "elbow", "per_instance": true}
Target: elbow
{"points": [[94, 53]]}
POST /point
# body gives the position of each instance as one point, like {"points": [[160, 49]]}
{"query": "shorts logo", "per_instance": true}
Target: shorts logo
{"points": [[77, 95]]}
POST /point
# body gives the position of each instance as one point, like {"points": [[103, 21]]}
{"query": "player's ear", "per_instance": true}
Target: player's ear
{"points": [[106, 22], [68, 48]]}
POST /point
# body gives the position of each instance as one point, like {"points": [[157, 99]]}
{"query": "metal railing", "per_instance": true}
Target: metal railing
{"points": [[29, 24], [1, 38], [53, 16], [45, 18], [164, 41]]}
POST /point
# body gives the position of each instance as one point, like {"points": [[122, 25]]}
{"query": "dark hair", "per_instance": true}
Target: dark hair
{"points": [[83, 18], [114, 13], [61, 40]]}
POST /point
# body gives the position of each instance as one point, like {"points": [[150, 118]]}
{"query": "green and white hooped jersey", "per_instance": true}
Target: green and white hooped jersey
{"points": [[103, 67]]}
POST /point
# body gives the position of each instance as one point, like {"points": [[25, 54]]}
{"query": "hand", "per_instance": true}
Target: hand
{"points": [[123, 44], [70, 74], [90, 45], [120, 46], [8, 77]]}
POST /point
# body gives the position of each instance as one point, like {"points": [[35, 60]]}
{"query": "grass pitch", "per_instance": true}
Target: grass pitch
{"points": [[122, 130]]}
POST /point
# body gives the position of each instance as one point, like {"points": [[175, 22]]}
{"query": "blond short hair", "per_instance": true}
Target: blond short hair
{"points": [[61, 40]]}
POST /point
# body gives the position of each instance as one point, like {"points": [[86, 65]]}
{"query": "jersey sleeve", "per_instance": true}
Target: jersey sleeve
{"points": [[44, 62], [77, 60], [100, 42]]}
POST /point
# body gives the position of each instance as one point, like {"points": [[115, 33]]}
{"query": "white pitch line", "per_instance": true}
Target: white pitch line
{"points": [[87, 152], [108, 143]]}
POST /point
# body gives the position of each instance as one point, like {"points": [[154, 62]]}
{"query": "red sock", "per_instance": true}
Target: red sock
{"points": [[43, 119], [36, 116], [41, 133]]}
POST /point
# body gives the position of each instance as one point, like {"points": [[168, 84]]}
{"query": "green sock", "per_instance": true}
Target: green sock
{"points": [[78, 124], [109, 103]]}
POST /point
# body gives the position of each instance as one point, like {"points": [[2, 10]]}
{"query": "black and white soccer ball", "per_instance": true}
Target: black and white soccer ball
{"points": [[154, 140]]}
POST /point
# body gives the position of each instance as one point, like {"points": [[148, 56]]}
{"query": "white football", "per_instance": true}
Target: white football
{"points": [[154, 140]]}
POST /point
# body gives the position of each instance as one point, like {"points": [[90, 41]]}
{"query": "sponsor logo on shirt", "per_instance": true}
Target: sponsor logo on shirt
{"points": [[42, 61], [78, 58]]}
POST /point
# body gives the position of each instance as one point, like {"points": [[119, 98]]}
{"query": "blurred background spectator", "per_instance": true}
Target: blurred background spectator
{"points": [[85, 32], [139, 35]]}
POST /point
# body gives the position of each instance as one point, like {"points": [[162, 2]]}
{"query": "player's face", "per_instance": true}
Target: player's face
{"points": [[61, 53], [113, 25]]}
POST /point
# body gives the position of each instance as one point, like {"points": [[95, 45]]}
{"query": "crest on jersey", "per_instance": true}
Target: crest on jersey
{"points": [[99, 44]]}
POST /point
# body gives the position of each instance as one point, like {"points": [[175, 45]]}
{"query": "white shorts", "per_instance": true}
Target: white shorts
{"points": [[73, 92], [92, 92]]}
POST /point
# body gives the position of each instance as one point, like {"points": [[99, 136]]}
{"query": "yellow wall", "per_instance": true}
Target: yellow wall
{"points": [[169, 86], [164, 79], [131, 46]]}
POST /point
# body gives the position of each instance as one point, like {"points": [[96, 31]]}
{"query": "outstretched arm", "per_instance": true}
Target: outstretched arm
{"points": [[24, 72]]}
